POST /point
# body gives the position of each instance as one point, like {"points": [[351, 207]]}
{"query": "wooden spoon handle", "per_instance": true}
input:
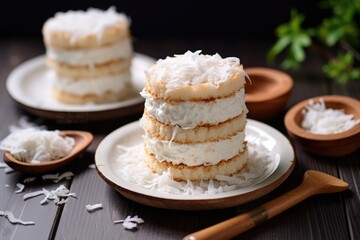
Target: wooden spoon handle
{"points": [[239, 224], [231, 227]]}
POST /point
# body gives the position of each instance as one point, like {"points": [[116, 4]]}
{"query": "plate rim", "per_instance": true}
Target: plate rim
{"points": [[156, 199], [17, 76]]}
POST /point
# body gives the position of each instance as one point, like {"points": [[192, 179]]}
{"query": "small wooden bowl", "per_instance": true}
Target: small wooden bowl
{"points": [[82, 141], [267, 93], [329, 145]]}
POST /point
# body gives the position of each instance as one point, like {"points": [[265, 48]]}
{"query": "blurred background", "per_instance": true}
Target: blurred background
{"points": [[163, 28], [159, 19]]}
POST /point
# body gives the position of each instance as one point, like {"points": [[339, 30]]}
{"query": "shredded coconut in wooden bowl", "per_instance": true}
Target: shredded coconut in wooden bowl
{"points": [[318, 119], [32, 144]]}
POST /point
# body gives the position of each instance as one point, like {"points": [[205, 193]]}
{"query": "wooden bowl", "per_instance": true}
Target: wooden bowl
{"points": [[82, 141], [329, 145], [267, 93]]}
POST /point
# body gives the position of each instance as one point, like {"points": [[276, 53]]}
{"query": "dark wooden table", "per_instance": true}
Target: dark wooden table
{"points": [[328, 216]]}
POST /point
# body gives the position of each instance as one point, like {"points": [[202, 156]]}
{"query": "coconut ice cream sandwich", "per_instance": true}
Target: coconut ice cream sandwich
{"points": [[90, 54], [195, 116]]}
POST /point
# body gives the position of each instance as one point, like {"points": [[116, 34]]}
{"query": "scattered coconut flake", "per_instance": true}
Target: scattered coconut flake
{"points": [[9, 170], [94, 207], [62, 201], [261, 165], [3, 165], [66, 175], [29, 179], [321, 120], [34, 145], [7, 185], [21, 187], [10, 216], [59, 195], [92, 166], [130, 222], [32, 194], [58, 177], [54, 176]]}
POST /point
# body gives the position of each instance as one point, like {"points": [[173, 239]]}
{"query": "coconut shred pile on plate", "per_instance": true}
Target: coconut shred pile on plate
{"points": [[318, 119], [130, 166], [33, 144]]}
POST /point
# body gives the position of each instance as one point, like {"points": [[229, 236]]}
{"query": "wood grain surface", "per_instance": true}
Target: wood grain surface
{"points": [[328, 216]]}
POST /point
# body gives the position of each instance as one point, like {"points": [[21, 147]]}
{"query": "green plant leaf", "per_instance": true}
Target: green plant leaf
{"points": [[341, 69], [279, 46], [292, 39], [297, 52]]}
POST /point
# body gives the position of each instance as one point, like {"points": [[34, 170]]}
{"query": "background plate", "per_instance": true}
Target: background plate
{"points": [[29, 85], [130, 135]]}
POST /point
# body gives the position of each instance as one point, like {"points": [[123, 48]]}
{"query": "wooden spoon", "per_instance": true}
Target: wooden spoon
{"points": [[314, 182], [82, 140]]}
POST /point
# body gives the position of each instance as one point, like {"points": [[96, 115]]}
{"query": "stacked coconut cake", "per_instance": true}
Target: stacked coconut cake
{"points": [[195, 116], [90, 54]]}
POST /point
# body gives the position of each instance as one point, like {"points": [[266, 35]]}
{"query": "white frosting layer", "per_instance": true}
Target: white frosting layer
{"points": [[93, 86], [120, 50], [82, 23], [188, 115], [209, 153], [193, 68]]}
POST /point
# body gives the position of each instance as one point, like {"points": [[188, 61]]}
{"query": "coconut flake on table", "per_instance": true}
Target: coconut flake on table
{"points": [[94, 207], [3, 165], [21, 187], [92, 166], [129, 165], [29, 179], [318, 119], [35, 145], [60, 195], [56, 177], [10, 216], [6, 168], [130, 222]]}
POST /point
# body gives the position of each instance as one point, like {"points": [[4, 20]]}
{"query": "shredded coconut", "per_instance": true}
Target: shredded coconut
{"points": [[60, 195], [21, 187], [130, 165], [34, 145], [56, 177], [94, 207], [92, 166], [82, 23], [29, 179], [130, 222], [9, 170], [321, 120], [194, 68], [10, 216]]}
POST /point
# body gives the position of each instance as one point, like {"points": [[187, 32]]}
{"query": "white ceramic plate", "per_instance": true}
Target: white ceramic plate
{"points": [[130, 135], [29, 85]]}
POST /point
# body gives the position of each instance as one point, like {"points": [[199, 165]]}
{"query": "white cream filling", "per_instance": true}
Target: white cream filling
{"points": [[120, 50], [96, 86], [188, 115], [209, 153]]}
